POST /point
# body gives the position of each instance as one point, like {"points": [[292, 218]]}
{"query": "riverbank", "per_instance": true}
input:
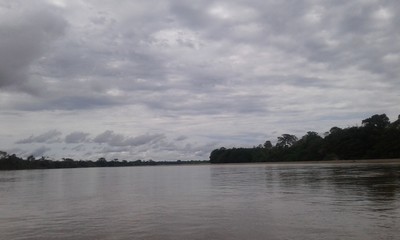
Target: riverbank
{"points": [[360, 161], [388, 161]]}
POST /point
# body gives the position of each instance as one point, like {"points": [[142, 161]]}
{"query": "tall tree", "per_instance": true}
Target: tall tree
{"points": [[268, 145], [376, 121], [286, 140]]}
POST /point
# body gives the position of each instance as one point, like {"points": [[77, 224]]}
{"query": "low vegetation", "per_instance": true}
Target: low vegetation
{"points": [[12, 162]]}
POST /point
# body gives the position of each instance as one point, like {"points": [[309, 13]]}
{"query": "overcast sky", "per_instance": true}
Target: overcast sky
{"points": [[175, 79]]}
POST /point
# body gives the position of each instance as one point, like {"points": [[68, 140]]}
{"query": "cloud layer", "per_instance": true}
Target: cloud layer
{"points": [[109, 144], [203, 73]]}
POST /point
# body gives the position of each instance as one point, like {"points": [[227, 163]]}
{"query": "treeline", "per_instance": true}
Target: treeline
{"points": [[376, 138], [12, 162]]}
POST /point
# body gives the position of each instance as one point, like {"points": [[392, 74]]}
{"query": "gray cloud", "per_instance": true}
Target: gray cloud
{"points": [[234, 44], [119, 140], [76, 137], [47, 137], [144, 139], [180, 138], [26, 33], [109, 137]]}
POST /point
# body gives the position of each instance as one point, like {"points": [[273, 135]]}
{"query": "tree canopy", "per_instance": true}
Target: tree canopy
{"points": [[376, 138]]}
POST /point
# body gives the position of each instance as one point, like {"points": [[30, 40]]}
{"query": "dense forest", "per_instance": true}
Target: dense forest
{"points": [[376, 138], [12, 162]]}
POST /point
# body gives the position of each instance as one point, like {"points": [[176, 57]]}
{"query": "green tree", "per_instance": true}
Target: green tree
{"points": [[396, 124], [309, 147], [268, 145], [286, 140], [376, 121], [101, 162]]}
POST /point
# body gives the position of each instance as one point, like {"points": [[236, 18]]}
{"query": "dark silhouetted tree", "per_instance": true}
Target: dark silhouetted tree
{"points": [[286, 140], [376, 138], [377, 121], [268, 145]]}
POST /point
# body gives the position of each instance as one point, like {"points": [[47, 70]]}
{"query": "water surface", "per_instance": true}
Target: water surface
{"points": [[263, 201]]}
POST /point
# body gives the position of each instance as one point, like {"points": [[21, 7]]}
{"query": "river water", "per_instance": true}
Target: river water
{"points": [[260, 201]]}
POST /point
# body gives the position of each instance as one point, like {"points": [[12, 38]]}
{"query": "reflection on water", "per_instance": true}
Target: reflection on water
{"points": [[378, 183], [263, 201]]}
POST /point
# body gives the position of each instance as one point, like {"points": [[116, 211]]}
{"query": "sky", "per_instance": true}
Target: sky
{"points": [[175, 79]]}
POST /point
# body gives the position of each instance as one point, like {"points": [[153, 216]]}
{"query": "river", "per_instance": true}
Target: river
{"points": [[258, 201]]}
